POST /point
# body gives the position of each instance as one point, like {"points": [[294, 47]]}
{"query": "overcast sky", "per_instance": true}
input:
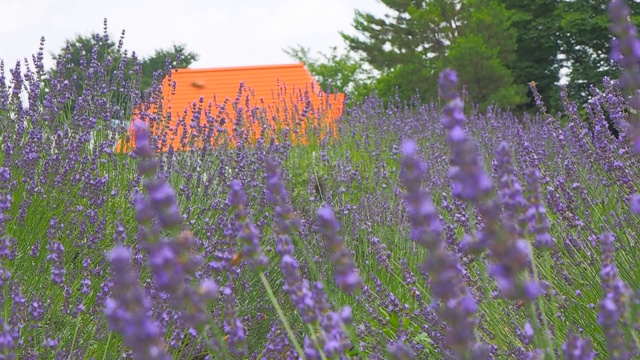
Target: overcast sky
{"points": [[222, 32]]}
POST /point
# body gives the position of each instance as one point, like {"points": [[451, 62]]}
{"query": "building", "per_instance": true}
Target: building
{"points": [[227, 105]]}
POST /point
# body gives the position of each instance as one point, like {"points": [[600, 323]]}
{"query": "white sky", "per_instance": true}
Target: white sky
{"points": [[222, 32]]}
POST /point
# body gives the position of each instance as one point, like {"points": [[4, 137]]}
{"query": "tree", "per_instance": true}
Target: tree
{"points": [[418, 33], [586, 43], [491, 21], [179, 58], [405, 47], [484, 53], [487, 79], [412, 46], [341, 73], [536, 24]]}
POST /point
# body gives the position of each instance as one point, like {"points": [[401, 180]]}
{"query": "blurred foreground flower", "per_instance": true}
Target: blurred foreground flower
{"points": [[457, 306], [128, 311]]}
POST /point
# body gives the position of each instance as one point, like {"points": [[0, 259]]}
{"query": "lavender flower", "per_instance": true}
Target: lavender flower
{"points": [[278, 197], [635, 204], [400, 351], [426, 227], [298, 290], [612, 307], [333, 339], [346, 277], [577, 349], [277, 345], [7, 242], [294, 284], [469, 181], [161, 197], [458, 306], [625, 50], [246, 230], [172, 261], [56, 253], [233, 326], [128, 311], [7, 344], [536, 215], [509, 189], [5, 197]]}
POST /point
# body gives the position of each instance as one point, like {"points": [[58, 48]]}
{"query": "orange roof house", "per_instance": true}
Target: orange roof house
{"points": [[215, 106]]}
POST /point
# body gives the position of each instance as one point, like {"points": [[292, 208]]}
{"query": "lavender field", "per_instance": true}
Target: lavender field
{"points": [[419, 231]]}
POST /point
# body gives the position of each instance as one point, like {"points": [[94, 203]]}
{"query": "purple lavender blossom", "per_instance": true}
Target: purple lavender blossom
{"points": [[286, 221], [56, 253], [509, 190], [458, 307], [512, 259], [233, 325], [7, 242], [510, 253], [612, 307], [469, 180], [625, 50], [346, 276], [128, 311], [577, 349], [400, 351], [278, 197], [172, 260], [247, 231], [278, 345], [426, 227], [161, 197], [528, 332], [635, 204], [536, 215], [298, 290], [335, 342], [5, 197]]}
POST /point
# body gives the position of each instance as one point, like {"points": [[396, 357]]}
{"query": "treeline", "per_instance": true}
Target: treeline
{"points": [[497, 47]]}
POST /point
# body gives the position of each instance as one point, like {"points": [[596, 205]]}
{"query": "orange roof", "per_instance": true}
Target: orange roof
{"points": [[205, 103]]}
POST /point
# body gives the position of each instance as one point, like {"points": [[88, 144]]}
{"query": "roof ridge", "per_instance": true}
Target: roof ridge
{"points": [[235, 68]]}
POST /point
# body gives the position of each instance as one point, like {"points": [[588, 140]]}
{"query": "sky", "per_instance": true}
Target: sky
{"points": [[223, 32]]}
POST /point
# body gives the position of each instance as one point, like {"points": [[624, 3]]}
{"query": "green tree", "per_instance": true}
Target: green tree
{"points": [[491, 21], [484, 53], [335, 72], [487, 79], [536, 24], [405, 47], [179, 58], [586, 43], [410, 48]]}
